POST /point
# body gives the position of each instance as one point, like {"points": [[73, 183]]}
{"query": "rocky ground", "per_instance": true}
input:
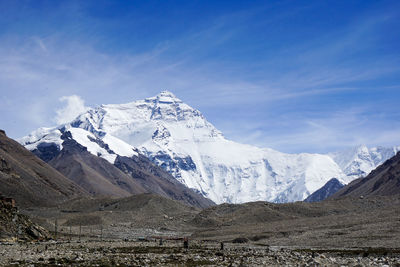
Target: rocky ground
{"points": [[14, 225], [172, 253], [346, 232]]}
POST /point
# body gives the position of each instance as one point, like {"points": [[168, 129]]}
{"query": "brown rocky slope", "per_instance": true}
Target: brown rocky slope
{"points": [[127, 176], [29, 180]]}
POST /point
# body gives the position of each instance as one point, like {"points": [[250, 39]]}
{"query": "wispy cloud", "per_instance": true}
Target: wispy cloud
{"points": [[318, 133], [40, 43]]}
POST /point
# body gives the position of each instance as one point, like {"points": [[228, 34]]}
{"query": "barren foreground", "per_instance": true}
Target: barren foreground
{"points": [[96, 232], [172, 253]]}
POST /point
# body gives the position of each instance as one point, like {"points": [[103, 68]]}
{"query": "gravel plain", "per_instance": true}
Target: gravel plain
{"points": [[172, 253], [347, 232]]}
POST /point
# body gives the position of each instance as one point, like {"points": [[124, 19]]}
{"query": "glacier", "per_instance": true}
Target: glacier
{"points": [[178, 138]]}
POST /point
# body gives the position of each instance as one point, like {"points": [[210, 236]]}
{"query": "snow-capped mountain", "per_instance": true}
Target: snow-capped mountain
{"points": [[360, 161], [178, 138]]}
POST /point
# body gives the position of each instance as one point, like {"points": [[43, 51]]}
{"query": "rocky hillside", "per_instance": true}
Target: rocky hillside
{"points": [[15, 226], [29, 180]]}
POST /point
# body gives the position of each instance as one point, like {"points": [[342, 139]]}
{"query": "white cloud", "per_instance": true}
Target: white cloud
{"points": [[74, 106]]}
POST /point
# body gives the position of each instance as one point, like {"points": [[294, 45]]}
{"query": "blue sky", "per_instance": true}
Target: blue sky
{"points": [[297, 76]]}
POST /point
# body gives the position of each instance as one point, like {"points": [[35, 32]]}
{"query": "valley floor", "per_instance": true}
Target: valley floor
{"points": [[127, 232], [172, 253]]}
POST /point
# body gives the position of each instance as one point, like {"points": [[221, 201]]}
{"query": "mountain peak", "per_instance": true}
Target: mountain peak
{"points": [[165, 97], [362, 148], [166, 93]]}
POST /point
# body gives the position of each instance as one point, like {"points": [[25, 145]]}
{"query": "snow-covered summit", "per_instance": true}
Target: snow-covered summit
{"points": [[178, 138], [164, 97], [161, 118]]}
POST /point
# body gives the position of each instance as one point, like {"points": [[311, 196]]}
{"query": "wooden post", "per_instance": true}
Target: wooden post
{"points": [[101, 232], [80, 231], [55, 229], [70, 233]]}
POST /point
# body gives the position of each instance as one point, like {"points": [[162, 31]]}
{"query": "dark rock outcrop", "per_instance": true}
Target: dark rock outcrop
{"points": [[15, 226], [330, 188]]}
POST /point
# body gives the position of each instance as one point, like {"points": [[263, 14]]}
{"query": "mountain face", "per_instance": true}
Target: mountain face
{"points": [[330, 188], [179, 139], [29, 180], [96, 175], [383, 181]]}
